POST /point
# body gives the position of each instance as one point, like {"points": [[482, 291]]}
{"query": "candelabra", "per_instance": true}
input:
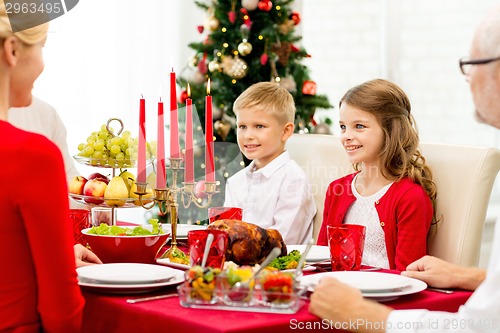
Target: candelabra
{"points": [[167, 198]]}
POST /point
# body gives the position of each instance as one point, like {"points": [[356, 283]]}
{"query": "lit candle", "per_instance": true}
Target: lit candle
{"points": [[209, 138], [189, 156], [174, 126], [141, 146], [161, 178]]}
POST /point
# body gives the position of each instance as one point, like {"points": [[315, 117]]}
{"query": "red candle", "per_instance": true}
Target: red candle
{"points": [[174, 126], [209, 138], [141, 146], [161, 178], [189, 156]]}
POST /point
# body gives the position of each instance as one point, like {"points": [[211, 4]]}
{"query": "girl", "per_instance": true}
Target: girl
{"points": [[392, 192]]}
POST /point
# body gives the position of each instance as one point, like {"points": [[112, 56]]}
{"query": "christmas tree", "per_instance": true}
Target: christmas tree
{"points": [[245, 42]]}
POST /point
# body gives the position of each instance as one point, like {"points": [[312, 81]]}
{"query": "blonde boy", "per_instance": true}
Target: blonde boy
{"points": [[273, 191]]}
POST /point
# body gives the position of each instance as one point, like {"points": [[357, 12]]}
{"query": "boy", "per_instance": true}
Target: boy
{"points": [[273, 191]]}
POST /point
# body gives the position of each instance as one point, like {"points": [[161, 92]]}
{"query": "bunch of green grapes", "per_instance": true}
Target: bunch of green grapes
{"points": [[105, 148]]}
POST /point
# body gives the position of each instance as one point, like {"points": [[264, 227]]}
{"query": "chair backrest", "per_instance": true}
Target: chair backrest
{"points": [[323, 159], [464, 177]]}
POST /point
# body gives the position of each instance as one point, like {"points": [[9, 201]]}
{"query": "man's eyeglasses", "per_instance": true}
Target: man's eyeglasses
{"points": [[466, 63]]}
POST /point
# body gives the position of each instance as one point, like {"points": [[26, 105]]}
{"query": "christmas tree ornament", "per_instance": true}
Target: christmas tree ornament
{"points": [[265, 5], [250, 4], [202, 66], [239, 69], [322, 129], [244, 48], [216, 113], [192, 75], [263, 59], [192, 61], [295, 17], [232, 14], [222, 128], [289, 84], [182, 97], [309, 88], [200, 29], [286, 27], [213, 66], [282, 50], [212, 23]]}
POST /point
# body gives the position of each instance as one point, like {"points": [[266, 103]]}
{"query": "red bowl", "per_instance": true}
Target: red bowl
{"points": [[140, 249]]}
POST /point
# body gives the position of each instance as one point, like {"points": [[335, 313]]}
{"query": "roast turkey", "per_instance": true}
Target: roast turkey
{"points": [[249, 244]]}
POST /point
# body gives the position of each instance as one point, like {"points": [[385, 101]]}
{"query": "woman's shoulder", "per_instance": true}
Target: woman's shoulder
{"points": [[32, 144]]}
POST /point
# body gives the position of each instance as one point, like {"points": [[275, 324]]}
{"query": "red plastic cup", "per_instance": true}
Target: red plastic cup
{"points": [[222, 213], [80, 218], [346, 243], [217, 253]]}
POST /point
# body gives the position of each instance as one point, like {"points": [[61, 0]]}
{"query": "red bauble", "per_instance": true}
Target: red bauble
{"points": [[202, 66], [295, 17], [183, 96], [232, 16], [309, 88], [265, 5], [200, 29], [263, 59]]}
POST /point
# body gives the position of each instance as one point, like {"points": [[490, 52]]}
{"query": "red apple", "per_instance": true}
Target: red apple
{"points": [[76, 185], [94, 188], [100, 176]]}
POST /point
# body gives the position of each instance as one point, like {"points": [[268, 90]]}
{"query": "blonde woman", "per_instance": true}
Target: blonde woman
{"points": [[38, 285]]}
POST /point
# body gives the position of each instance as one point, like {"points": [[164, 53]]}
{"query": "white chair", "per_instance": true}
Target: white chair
{"points": [[464, 177], [323, 159]]}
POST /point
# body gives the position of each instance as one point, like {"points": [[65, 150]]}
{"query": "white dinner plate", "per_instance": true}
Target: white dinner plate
{"points": [[317, 252], [166, 262], [371, 284], [177, 278], [125, 273]]}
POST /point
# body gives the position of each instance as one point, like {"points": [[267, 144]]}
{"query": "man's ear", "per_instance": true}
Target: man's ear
{"points": [[11, 50], [288, 130]]}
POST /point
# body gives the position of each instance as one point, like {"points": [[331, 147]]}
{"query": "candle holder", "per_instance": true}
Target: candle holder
{"points": [[167, 199]]}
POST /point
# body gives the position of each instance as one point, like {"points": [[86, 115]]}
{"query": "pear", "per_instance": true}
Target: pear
{"points": [[116, 192], [128, 177], [132, 194]]}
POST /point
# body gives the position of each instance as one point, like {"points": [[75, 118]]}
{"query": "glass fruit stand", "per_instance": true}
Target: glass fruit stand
{"points": [[106, 150]]}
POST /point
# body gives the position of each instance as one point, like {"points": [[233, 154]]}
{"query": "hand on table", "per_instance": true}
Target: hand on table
{"points": [[85, 257], [441, 274], [339, 302]]}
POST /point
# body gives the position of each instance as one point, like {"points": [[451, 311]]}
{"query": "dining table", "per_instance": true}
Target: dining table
{"points": [[105, 312]]}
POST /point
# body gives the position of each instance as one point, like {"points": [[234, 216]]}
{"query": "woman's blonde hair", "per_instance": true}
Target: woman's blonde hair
{"points": [[267, 97], [29, 36], [400, 155]]}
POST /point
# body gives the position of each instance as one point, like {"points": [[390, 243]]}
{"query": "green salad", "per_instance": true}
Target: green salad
{"points": [[290, 261], [113, 230]]}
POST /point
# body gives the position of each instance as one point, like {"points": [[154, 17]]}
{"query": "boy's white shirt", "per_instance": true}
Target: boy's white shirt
{"points": [[277, 196]]}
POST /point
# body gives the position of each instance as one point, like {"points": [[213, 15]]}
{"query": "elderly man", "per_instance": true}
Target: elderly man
{"points": [[336, 301]]}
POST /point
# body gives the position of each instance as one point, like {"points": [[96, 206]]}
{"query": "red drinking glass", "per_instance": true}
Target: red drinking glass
{"points": [[80, 218], [346, 243], [217, 253], [222, 213]]}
